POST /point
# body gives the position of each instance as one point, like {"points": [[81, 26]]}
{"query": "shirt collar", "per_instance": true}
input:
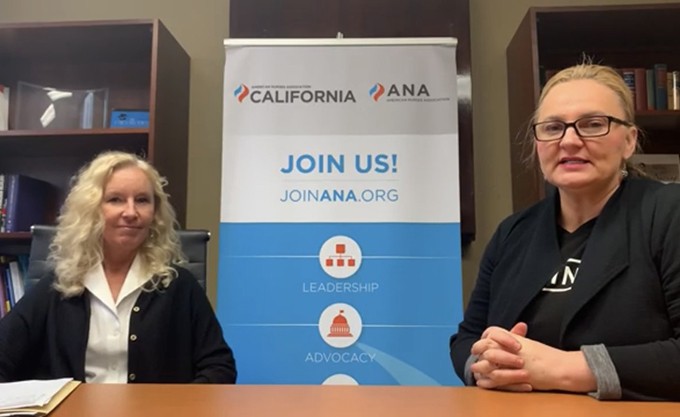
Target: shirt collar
{"points": [[95, 282]]}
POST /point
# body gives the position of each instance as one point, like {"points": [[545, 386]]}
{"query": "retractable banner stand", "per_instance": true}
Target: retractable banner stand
{"points": [[339, 259]]}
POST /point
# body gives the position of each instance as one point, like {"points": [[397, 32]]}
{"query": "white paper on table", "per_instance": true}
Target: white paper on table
{"points": [[32, 393]]}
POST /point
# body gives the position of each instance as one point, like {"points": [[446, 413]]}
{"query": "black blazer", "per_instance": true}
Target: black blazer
{"points": [[626, 296], [178, 337]]}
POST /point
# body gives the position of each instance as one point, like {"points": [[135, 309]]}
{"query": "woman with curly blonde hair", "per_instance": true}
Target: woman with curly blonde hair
{"points": [[117, 307]]}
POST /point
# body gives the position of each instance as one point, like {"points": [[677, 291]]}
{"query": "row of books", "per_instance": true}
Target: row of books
{"points": [[24, 201], [653, 89], [656, 88], [12, 273]]}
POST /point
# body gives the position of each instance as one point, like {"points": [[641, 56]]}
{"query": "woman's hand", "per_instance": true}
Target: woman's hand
{"points": [[499, 365], [554, 369], [508, 360]]}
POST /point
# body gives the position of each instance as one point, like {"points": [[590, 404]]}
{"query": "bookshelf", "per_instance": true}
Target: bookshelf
{"points": [[626, 36], [143, 67]]}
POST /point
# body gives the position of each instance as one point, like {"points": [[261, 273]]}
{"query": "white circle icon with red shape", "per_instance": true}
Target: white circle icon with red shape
{"points": [[340, 379], [340, 257], [340, 325]]}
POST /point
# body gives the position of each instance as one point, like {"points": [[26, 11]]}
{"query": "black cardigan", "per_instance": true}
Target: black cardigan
{"points": [[627, 295], [178, 337]]}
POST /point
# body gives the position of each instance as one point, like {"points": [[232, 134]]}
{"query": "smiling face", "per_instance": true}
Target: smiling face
{"points": [[128, 210], [584, 165]]}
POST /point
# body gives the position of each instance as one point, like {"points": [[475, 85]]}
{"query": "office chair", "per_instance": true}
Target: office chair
{"points": [[193, 242]]}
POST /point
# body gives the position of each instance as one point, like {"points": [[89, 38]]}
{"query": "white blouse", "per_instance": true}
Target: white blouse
{"points": [[106, 358]]}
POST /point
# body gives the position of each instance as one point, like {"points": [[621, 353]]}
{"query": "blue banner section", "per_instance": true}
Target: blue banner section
{"points": [[368, 303]]}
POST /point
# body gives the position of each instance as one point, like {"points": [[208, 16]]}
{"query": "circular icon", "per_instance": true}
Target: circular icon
{"points": [[340, 257], [340, 325], [340, 379]]}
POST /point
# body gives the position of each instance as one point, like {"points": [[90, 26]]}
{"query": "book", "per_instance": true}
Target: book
{"points": [[29, 201], [660, 78], [640, 89], [2, 203], [651, 89], [4, 301], [34, 397], [7, 281], [661, 167], [673, 85], [4, 107], [17, 280], [628, 75]]}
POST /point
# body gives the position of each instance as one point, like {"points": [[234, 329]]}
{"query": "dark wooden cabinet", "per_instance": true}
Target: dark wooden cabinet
{"points": [[551, 38], [141, 65]]}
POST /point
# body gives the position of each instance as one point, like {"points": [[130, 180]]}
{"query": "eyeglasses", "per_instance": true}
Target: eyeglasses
{"points": [[585, 127]]}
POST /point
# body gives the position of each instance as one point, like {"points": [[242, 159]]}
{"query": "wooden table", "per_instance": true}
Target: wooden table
{"points": [[93, 400]]}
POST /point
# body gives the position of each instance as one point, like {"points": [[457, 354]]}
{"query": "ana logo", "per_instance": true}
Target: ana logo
{"points": [[408, 90], [241, 92], [376, 91]]}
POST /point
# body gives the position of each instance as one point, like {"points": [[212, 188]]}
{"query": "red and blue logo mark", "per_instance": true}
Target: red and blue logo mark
{"points": [[376, 91], [241, 92]]}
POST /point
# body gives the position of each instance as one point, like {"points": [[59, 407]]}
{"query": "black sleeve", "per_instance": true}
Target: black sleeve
{"points": [[22, 332], [475, 319], [651, 371], [213, 358]]}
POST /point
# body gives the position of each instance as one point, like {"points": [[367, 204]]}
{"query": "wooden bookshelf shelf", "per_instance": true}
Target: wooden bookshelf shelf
{"points": [[72, 132], [659, 119], [21, 236], [140, 64]]}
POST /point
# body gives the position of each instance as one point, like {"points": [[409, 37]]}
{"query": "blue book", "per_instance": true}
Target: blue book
{"points": [[661, 91], [7, 279], [29, 201]]}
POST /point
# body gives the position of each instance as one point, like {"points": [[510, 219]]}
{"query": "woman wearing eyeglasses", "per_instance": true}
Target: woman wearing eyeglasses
{"points": [[581, 292]]}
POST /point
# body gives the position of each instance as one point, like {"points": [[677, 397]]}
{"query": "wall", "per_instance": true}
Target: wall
{"points": [[201, 25]]}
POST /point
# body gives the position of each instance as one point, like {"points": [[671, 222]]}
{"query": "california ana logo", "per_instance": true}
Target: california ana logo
{"points": [[399, 92], [263, 94], [241, 92], [376, 91]]}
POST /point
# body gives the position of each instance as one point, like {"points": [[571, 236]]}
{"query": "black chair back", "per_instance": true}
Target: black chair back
{"points": [[194, 246]]}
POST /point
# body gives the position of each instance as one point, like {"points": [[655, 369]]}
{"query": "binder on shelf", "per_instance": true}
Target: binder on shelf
{"points": [[29, 201]]}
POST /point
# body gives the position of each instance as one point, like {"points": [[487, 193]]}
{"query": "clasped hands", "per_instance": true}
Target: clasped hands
{"points": [[507, 360]]}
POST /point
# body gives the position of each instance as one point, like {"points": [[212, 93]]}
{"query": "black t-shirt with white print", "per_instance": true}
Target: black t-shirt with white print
{"points": [[545, 312]]}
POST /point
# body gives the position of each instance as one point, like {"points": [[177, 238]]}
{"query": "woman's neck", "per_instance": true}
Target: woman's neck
{"points": [[577, 208], [116, 268]]}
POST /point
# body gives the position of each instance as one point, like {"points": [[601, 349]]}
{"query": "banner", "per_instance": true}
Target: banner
{"points": [[339, 257]]}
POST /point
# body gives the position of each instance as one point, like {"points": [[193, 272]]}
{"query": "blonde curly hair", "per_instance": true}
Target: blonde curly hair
{"points": [[77, 245]]}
